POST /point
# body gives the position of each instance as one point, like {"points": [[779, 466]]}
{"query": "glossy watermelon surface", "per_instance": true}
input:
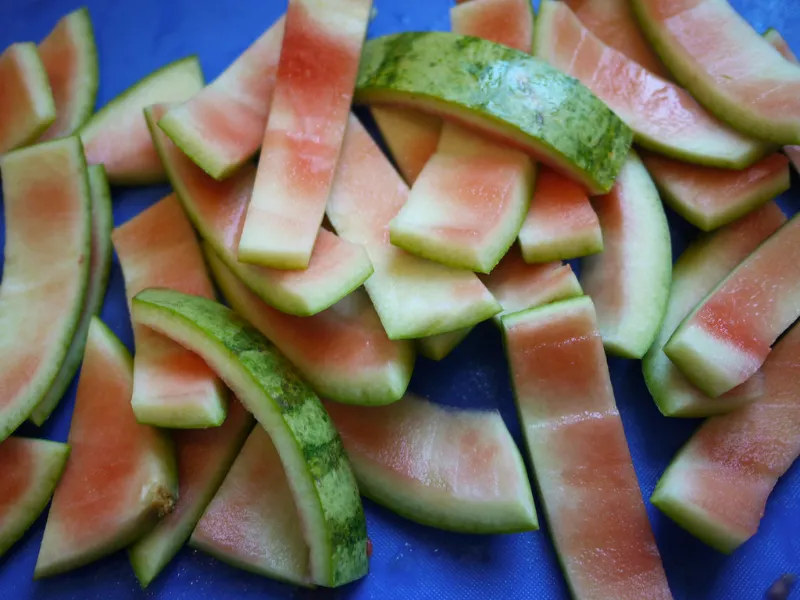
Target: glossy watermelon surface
{"points": [[409, 561]]}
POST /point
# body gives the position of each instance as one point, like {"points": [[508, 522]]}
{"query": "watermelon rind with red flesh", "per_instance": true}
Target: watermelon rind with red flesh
{"points": [[48, 244], [320, 476], [117, 135], [410, 136], [31, 470], [99, 270], [453, 469], [69, 55], [576, 442], [252, 523], [343, 352], [121, 476], [776, 41], [216, 209], [221, 127]]}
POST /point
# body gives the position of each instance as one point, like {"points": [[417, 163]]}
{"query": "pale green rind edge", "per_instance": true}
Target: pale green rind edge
{"points": [[155, 413], [44, 106], [438, 347], [565, 248]]}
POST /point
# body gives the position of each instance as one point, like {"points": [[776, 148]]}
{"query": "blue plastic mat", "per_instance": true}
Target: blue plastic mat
{"points": [[411, 562]]}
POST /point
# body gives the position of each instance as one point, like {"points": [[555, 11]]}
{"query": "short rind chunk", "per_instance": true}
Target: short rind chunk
{"points": [[121, 476], [172, 387], [708, 197], [69, 56], [701, 267], [577, 445], [411, 137], [311, 451], [718, 484], [99, 270], [343, 352], [727, 337], [117, 135], [306, 124], [726, 65], [458, 470], [216, 209], [31, 470], [48, 243], [252, 522], [663, 116], [503, 92], [27, 107], [629, 281], [222, 125]]}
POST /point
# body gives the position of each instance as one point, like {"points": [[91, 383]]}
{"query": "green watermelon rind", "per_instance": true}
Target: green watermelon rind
{"points": [[587, 243], [267, 385], [495, 88], [103, 222], [438, 347], [23, 514]]}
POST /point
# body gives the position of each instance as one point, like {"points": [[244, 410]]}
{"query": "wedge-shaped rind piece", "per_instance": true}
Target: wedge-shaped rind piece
{"points": [[121, 476], [31, 470], [343, 352], [663, 116], [252, 522], [27, 107], [69, 56], [311, 451], [718, 484], [117, 136], [172, 386], [410, 136], [629, 281], [221, 126], [306, 124], [776, 40], [204, 459], [458, 470], [99, 269], [502, 92], [727, 337], [577, 446], [216, 209], [48, 243], [726, 65], [701, 267]]}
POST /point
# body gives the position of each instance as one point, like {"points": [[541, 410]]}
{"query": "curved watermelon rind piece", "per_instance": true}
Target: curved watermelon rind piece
{"points": [[50, 463], [102, 224]]}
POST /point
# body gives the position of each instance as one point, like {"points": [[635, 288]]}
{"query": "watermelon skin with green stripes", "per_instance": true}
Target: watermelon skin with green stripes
{"points": [[311, 450], [502, 92]]}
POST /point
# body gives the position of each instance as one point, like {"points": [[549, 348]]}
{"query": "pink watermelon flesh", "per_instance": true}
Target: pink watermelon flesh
{"points": [[172, 386], [708, 197], [120, 477], [727, 337], [726, 65], [204, 459], [701, 267], [578, 449], [310, 105], [69, 56], [411, 137], [413, 297], [663, 116], [252, 522], [561, 222], [629, 281], [343, 352], [117, 136], [31, 470], [507, 22], [99, 269], [718, 484], [48, 243], [27, 107], [221, 127], [452, 469], [217, 208], [776, 40]]}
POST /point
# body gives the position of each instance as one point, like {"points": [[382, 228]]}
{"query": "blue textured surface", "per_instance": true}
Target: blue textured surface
{"points": [[410, 561]]}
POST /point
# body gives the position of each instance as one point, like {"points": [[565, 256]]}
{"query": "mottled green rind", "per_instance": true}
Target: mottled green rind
{"points": [[503, 91], [102, 224], [311, 450]]}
